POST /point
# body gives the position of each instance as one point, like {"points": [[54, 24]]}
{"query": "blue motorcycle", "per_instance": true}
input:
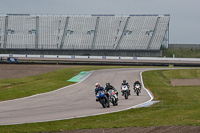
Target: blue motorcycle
{"points": [[103, 99]]}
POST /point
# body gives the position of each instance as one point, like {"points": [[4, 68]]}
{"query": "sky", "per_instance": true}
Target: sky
{"points": [[184, 20]]}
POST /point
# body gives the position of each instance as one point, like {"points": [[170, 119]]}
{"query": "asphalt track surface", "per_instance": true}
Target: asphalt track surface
{"points": [[72, 101]]}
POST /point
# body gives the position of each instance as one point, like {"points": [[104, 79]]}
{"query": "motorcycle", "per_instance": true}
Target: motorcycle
{"points": [[103, 99], [137, 89], [113, 97], [125, 91]]}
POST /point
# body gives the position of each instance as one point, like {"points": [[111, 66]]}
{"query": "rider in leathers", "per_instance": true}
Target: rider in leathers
{"points": [[125, 83], [136, 82], [99, 88], [109, 86]]}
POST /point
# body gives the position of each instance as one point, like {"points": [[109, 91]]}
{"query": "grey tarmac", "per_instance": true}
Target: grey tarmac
{"points": [[72, 101]]}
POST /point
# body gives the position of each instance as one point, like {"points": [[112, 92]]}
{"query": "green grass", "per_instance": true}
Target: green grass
{"points": [[182, 53], [177, 106]]}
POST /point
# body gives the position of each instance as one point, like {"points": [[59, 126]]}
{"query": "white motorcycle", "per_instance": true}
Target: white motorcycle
{"points": [[113, 97], [137, 89], [125, 91]]}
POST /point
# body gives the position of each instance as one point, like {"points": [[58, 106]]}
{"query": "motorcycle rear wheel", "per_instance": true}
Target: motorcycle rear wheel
{"points": [[108, 104], [116, 103], [126, 96]]}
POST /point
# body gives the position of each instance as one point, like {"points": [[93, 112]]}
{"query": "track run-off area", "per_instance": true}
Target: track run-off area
{"points": [[74, 101]]}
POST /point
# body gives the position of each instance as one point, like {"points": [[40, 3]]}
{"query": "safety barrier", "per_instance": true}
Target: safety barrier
{"points": [[99, 57]]}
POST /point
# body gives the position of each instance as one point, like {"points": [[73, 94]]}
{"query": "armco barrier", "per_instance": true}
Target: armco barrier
{"points": [[101, 57]]}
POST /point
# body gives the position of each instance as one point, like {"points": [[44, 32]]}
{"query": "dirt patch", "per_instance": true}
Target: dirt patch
{"points": [[156, 129], [185, 82], [15, 71]]}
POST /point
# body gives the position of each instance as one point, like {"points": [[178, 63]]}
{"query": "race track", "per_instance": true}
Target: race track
{"points": [[73, 101]]}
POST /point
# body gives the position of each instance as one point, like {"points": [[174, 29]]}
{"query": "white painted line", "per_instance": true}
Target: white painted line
{"points": [[148, 91]]}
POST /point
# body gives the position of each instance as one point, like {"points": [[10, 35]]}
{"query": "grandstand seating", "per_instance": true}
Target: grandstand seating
{"points": [[94, 32], [2, 28], [79, 33], [18, 32], [109, 31], [51, 30], [160, 32]]}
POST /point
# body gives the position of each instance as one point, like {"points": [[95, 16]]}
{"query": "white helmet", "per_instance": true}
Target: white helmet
{"points": [[97, 85]]}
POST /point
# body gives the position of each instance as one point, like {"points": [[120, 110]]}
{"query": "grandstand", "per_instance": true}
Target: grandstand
{"points": [[97, 34]]}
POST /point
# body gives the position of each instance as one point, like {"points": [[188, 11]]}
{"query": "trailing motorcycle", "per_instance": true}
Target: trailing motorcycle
{"points": [[103, 99], [125, 91], [113, 97], [137, 89]]}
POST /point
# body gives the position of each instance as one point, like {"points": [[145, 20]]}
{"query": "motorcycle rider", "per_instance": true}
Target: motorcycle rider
{"points": [[109, 86], [125, 83], [136, 82], [98, 88]]}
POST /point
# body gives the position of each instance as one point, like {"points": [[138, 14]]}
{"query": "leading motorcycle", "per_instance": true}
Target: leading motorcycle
{"points": [[103, 99]]}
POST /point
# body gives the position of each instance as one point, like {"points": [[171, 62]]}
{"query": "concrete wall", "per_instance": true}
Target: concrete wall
{"points": [[184, 46], [131, 53]]}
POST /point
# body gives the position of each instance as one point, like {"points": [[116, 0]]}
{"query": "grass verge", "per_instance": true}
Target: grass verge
{"points": [[178, 106], [182, 53]]}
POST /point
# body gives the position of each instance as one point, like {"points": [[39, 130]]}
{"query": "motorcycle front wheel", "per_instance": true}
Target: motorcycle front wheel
{"points": [[102, 103], [137, 92]]}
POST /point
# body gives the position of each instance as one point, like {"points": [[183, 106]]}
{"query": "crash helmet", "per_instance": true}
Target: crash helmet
{"points": [[124, 81], [107, 84], [97, 85]]}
